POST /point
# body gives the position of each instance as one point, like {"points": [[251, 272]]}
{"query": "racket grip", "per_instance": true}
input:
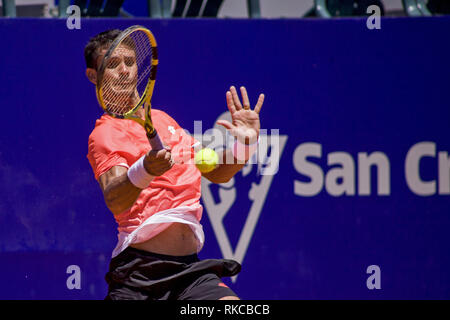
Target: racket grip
{"points": [[155, 142]]}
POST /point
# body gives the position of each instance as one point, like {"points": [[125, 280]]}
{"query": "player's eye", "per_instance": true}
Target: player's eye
{"points": [[113, 63], [130, 62]]}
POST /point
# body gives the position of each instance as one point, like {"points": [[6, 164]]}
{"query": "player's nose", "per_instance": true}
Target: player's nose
{"points": [[123, 69]]}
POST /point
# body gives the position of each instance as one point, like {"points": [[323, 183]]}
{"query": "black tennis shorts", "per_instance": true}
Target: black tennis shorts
{"points": [[140, 275]]}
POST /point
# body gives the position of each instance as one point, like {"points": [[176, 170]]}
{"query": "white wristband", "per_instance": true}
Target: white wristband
{"points": [[243, 152], [138, 175]]}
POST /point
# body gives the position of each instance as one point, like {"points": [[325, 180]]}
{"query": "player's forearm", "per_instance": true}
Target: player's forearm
{"points": [[121, 194], [228, 167], [121, 186]]}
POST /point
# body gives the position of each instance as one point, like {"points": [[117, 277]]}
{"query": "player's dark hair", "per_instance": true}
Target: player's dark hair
{"points": [[99, 42]]}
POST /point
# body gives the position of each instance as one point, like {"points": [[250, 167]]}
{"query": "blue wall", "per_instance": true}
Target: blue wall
{"points": [[330, 82]]}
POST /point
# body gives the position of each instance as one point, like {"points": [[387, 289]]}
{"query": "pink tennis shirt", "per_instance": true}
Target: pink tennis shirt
{"points": [[171, 197]]}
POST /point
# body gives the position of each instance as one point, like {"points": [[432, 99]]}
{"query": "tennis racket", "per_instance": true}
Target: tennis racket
{"points": [[126, 78]]}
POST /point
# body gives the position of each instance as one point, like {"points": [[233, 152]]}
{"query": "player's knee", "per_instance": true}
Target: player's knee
{"points": [[229, 298]]}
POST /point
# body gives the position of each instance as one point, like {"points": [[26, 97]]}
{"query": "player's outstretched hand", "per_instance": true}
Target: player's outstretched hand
{"points": [[245, 121], [159, 161]]}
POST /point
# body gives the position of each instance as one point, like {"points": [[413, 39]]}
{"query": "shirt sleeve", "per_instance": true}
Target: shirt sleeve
{"points": [[105, 150]]}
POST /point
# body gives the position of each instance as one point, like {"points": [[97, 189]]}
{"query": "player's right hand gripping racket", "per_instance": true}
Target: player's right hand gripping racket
{"points": [[126, 78]]}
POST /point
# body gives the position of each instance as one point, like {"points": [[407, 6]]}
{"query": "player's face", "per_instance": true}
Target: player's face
{"points": [[120, 77]]}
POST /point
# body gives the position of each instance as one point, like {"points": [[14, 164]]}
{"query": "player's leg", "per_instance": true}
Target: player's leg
{"points": [[208, 287], [125, 293], [229, 298]]}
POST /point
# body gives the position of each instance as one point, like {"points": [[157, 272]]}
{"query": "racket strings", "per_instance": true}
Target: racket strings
{"points": [[144, 58], [127, 73]]}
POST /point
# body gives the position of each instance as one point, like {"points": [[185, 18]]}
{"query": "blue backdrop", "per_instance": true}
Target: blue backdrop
{"points": [[336, 91]]}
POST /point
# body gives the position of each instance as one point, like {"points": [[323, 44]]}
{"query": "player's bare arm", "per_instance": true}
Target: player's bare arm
{"points": [[118, 191], [244, 127]]}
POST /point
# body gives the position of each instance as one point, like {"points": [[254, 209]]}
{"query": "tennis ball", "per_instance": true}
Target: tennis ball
{"points": [[206, 160]]}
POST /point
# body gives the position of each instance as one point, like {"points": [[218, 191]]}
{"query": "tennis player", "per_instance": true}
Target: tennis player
{"points": [[155, 195]]}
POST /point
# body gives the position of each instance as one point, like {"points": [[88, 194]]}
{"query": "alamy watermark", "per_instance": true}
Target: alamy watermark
{"points": [[374, 20], [74, 280], [73, 21], [374, 280], [267, 155]]}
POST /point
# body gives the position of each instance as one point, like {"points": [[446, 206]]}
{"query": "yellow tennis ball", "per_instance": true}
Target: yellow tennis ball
{"points": [[206, 160]]}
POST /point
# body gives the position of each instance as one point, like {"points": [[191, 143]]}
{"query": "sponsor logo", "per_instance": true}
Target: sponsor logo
{"points": [[261, 169]]}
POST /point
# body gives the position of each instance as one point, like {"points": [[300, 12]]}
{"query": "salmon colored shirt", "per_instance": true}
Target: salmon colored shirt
{"points": [[119, 142]]}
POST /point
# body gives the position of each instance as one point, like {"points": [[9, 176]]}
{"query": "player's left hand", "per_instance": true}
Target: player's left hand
{"points": [[245, 121]]}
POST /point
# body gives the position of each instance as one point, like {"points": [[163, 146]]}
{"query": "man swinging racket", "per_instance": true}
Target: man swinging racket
{"points": [[152, 192]]}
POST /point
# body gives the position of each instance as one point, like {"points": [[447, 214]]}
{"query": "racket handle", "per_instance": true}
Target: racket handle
{"points": [[155, 142]]}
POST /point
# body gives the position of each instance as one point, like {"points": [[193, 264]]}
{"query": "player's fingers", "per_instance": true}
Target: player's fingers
{"points": [[259, 103], [245, 100], [153, 154], [168, 156], [225, 123], [159, 154], [230, 103], [230, 127], [235, 96]]}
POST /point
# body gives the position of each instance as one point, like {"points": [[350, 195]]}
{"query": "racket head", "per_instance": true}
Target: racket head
{"points": [[127, 73]]}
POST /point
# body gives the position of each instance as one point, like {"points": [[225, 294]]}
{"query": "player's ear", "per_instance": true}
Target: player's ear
{"points": [[91, 74]]}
